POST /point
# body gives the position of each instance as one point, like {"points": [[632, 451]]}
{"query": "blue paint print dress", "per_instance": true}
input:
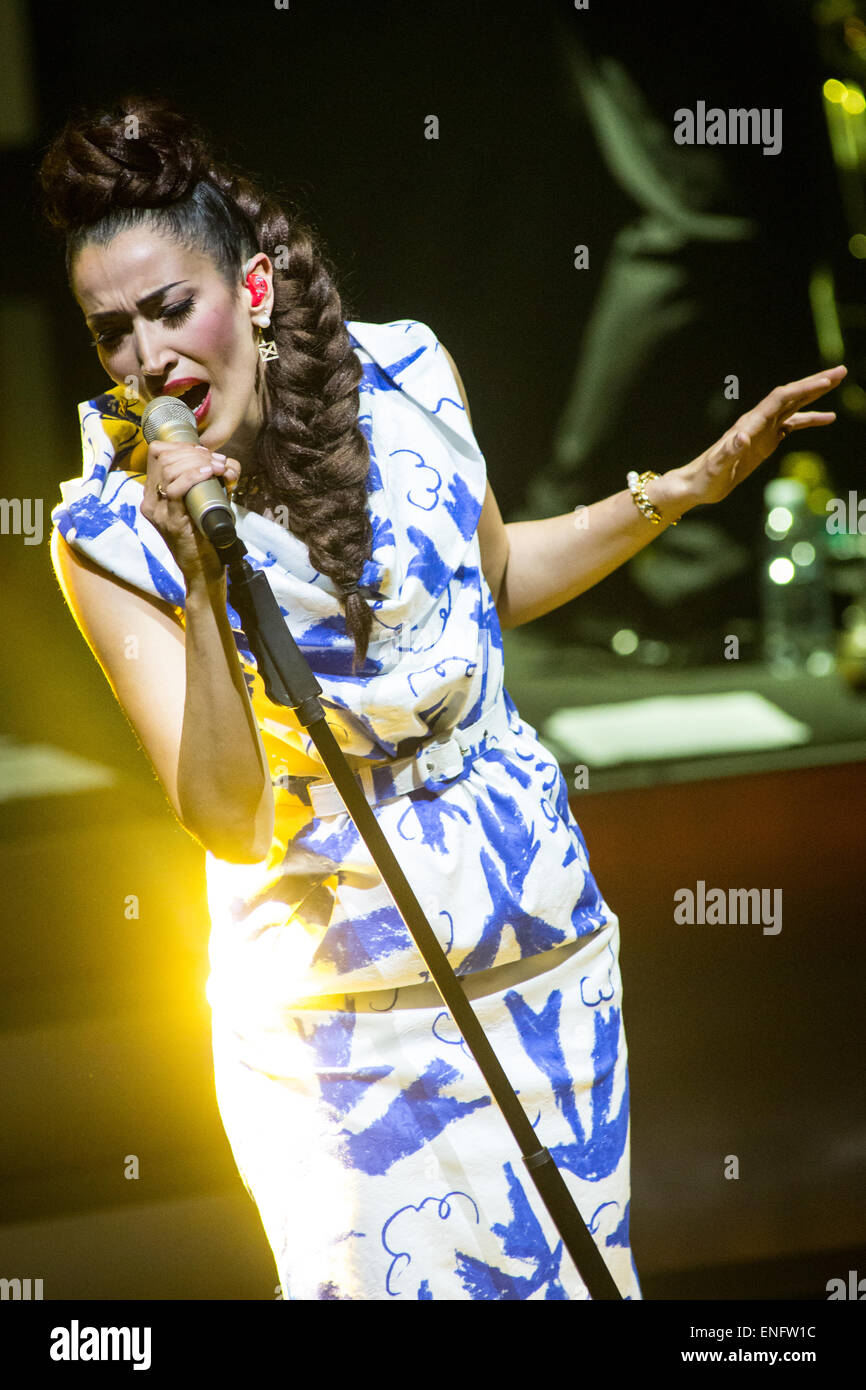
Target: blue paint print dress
{"points": [[360, 1124]]}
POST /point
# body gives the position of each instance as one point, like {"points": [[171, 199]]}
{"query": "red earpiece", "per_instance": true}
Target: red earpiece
{"points": [[258, 287]]}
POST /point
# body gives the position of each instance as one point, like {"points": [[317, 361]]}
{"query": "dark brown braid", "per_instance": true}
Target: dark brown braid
{"points": [[143, 160]]}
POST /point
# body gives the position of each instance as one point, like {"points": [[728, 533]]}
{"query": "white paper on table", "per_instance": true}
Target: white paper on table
{"points": [[673, 726], [37, 769]]}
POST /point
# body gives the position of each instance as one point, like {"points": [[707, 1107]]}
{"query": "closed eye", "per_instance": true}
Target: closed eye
{"points": [[177, 313]]}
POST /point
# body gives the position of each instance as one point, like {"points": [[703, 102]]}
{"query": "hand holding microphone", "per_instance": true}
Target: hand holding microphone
{"points": [[184, 497]]}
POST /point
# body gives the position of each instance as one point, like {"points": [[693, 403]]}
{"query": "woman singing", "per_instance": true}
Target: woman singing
{"points": [[359, 1122]]}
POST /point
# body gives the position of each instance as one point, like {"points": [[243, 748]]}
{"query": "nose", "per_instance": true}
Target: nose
{"points": [[155, 356]]}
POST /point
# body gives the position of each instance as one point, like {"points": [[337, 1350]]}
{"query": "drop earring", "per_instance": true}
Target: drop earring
{"points": [[258, 287], [267, 346]]}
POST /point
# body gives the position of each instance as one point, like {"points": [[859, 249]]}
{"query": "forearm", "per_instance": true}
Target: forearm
{"points": [[554, 560], [224, 790]]}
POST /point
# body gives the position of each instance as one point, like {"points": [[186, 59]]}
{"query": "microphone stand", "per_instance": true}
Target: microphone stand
{"points": [[289, 680]]}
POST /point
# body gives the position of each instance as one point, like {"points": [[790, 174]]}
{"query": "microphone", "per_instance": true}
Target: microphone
{"points": [[167, 417]]}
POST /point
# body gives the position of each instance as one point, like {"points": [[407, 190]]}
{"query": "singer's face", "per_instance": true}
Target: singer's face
{"points": [[159, 313]]}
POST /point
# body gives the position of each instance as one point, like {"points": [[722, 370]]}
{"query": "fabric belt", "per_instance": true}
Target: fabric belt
{"points": [[475, 985], [437, 760]]}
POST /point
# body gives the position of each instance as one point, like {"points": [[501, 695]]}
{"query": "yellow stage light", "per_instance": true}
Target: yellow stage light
{"points": [[835, 90]]}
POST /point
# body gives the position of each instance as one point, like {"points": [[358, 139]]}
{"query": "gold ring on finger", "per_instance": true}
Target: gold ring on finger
{"points": [[159, 491]]}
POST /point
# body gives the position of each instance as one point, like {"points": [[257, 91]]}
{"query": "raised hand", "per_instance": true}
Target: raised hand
{"points": [[718, 470]]}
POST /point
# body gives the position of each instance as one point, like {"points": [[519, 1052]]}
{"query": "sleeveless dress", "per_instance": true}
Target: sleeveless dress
{"points": [[360, 1124]]}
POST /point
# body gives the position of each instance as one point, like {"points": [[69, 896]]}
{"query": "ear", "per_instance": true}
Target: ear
{"points": [[259, 264]]}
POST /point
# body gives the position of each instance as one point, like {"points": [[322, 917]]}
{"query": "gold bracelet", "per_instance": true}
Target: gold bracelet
{"points": [[636, 486]]}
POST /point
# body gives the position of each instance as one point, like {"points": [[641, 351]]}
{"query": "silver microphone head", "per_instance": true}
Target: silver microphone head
{"points": [[166, 417]]}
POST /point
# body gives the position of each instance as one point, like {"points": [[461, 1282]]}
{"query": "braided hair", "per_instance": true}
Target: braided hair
{"points": [[309, 456]]}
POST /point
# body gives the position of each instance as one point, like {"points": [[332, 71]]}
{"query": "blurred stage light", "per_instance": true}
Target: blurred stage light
{"points": [[803, 553], [624, 642], [779, 522], [835, 90], [781, 571]]}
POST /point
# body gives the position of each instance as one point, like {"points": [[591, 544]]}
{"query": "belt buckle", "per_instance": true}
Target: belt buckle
{"points": [[444, 758], [325, 799]]}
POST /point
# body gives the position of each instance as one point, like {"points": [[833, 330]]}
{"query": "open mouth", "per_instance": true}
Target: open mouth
{"points": [[196, 397]]}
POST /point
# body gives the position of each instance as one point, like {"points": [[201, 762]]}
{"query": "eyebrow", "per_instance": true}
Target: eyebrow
{"points": [[110, 314]]}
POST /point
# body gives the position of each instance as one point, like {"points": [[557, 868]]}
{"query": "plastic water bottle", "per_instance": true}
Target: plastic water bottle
{"points": [[798, 631]]}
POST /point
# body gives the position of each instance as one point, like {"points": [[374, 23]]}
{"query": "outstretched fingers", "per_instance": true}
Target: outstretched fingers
{"points": [[782, 411], [799, 393], [803, 421]]}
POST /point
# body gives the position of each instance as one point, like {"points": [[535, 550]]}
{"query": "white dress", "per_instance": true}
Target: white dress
{"points": [[359, 1121]]}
